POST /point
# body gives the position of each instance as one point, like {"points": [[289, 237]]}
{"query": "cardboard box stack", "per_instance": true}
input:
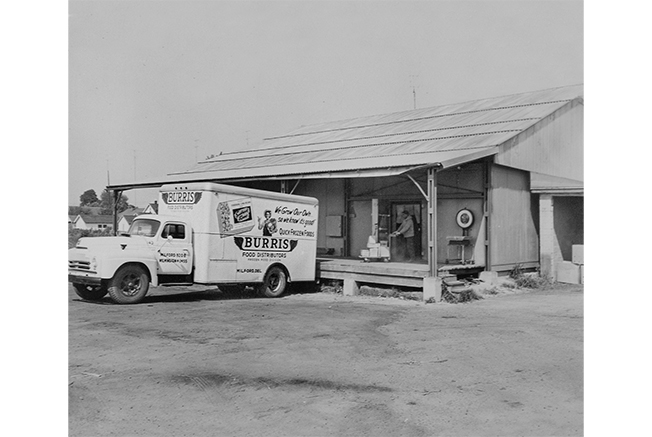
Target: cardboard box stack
{"points": [[572, 272]]}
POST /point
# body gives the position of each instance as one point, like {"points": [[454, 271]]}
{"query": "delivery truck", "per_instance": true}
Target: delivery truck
{"points": [[204, 233]]}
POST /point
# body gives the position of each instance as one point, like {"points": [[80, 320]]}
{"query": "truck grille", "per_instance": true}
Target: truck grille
{"points": [[79, 265]]}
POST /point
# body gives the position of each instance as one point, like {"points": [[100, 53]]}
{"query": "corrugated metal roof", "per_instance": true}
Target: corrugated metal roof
{"points": [[445, 135], [385, 144]]}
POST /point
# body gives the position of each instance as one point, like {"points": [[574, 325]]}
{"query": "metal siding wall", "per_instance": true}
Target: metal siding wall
{"points": [[330, 193], [447, 210], [399, 187], [465, 179], [513, 236], [554, 146]]}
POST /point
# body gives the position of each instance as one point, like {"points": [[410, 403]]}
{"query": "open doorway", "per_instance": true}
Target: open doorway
{"points": [[416, 210]]}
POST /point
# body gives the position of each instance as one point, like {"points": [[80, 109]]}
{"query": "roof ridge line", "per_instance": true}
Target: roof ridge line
{"points": [[419, 118], [377, 144], [450, 104], [379, 136], [456, 103]]}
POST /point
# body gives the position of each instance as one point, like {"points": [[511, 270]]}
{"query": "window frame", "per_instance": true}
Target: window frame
{"points": [[167, 225]]}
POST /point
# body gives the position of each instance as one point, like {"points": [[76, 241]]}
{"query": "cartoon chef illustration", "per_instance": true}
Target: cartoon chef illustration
{"points": [[268, 225]]}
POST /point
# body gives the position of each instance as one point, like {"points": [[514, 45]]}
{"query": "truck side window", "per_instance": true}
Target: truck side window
{"points": [[176, 231]]}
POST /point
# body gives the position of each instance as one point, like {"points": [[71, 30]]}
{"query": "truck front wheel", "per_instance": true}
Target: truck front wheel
{"points": [[129, 284], [275, 282], [90, 292]]}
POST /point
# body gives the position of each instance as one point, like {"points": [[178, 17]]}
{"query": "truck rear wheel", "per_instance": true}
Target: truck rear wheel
{"points": [[275, 282], [90, 292], [129, 285]]}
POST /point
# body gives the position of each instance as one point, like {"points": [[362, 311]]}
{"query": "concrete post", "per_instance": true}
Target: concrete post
{"points": [[432, 288], [489, 278], [549, 250], [350, 288]]}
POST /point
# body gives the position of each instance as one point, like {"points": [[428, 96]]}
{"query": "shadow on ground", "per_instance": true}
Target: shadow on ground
{"points": [[212, 294]]}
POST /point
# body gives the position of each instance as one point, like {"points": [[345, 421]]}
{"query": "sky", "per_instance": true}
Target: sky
{"points": [[155, 86]]}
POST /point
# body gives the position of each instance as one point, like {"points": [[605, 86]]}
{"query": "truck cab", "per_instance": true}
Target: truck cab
{"points": [[156, 249]]}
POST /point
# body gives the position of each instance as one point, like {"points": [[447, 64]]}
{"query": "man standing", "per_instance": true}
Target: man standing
{"points": [[407, 231]]}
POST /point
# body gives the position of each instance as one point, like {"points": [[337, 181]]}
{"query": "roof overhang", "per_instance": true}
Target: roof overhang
{"points": [[559, 191], [548, 184], [373, 167]]}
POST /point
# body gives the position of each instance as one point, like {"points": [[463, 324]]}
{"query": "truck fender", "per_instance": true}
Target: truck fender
{"points": [[282, 267], [153, 277], [110, 268]]}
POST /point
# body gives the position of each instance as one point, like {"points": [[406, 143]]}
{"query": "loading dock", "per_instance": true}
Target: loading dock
{"points": [[486, 156]]}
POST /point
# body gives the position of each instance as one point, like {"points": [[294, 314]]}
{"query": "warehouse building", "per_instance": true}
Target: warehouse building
{"points": [[489, 185]]}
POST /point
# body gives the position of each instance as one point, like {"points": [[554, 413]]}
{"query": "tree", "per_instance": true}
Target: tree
{"points": [[76, 210], [106, 202], [89, 198]]}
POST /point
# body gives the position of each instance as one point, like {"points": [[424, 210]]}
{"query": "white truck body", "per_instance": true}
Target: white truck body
{"points": [[205, 233]]}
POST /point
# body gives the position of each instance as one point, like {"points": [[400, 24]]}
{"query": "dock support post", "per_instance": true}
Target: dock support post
{"points": [[432, 289], [432, 283], [350, 288], [432, 221]]}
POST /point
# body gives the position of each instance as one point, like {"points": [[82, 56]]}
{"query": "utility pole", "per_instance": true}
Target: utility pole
{"points": [[134, 175], [414, 96], [414, 91]]}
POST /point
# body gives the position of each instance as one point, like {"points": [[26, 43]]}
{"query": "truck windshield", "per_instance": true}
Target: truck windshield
{"points": [[145, 227]]}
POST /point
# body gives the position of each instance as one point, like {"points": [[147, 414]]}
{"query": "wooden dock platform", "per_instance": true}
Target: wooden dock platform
{"points": [[385, 273]]}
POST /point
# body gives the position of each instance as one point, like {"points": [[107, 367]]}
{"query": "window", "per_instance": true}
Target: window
{"points": [[145, 227], [176, 231]]}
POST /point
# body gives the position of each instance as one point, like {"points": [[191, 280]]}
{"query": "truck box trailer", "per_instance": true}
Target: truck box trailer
{"points": [[204, 233]]}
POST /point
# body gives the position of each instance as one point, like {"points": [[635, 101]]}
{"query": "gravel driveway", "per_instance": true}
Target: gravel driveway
{"points": [[187, 363]]}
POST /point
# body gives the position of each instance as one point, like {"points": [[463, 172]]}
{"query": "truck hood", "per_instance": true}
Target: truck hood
{"points": [[111, 243]]}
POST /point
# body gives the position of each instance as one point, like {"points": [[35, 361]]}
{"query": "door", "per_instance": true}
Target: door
{"points": [[174, 250], [415, 210], [359, 226]]}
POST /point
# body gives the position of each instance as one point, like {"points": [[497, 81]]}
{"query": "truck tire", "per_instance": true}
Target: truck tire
{"points": [[129, 285], [90, 292], [275, 282]]}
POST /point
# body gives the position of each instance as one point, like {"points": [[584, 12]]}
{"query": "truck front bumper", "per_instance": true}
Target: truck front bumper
{"points": [[86, 280]]}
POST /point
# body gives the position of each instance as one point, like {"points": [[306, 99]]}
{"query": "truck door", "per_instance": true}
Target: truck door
{"points": [[174, 250]]}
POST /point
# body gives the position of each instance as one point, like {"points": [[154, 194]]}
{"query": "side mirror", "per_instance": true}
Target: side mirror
{"points": [[169, 238]]}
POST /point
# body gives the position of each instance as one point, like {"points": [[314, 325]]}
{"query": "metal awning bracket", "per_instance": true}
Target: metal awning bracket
{"points": [[423, 193]]}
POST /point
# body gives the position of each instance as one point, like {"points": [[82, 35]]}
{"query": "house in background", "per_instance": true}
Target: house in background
{"points": [[492, 184], [133, 210], [93, 222], [151, 208], [92, 218], [124, 222]]}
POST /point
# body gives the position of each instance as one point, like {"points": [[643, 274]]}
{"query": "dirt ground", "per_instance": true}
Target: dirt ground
{"points": [[188, 363]]}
